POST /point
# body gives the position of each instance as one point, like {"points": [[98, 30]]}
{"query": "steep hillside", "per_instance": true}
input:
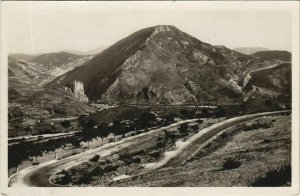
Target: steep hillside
{"points": [[163, 65], [249, 50], [275, 80], [278, 55]]}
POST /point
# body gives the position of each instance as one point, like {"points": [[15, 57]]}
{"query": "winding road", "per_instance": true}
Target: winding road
{"points": [[39, 176]]}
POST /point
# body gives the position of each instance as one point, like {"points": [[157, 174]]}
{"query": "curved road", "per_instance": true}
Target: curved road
{"points": [[40, 175], [190, 147]]}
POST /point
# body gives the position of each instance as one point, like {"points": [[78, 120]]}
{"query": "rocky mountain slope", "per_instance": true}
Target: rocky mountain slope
{"points": [[274, 80], [163, 65], [277, 55]]}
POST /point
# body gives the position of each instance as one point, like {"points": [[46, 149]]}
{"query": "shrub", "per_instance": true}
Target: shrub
{"points": [[65, 124], [231, 164], [110, 168], [275, 177], [35, 163], [160, 145], [257, 126], [199, 121], [137, 160], [84, 179], [184, 128], [195, 127], [266, 141], [155, 154], [95, 158], [184, 113], [223, 135], [65, 178], [97, 171]]}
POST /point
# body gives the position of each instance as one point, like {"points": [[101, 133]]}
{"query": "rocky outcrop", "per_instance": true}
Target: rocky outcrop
{"points": [[78, 91]]}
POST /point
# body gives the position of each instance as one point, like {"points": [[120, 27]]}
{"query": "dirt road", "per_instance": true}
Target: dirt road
{"points": [[39, 176]]}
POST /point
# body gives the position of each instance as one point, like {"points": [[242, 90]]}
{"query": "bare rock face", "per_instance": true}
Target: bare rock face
{"points": [[163, 65], [78, 91]]}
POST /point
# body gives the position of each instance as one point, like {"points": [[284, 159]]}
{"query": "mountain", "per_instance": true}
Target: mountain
{"points": [[96, 50], [274, 80], [22, 73], [41, 69], [277, 55], [163, 65], [250, 50], [22, 57]]}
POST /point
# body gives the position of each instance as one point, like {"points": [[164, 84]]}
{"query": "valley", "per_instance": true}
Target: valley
{"points": [[157, 108]]}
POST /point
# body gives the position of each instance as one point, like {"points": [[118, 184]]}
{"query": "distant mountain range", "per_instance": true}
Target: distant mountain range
{"points": [[40, 69], [250, 50], [163, 65], [278, 55]]}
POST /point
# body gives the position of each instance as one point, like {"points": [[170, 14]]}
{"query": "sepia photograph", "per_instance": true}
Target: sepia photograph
{"points": [[150, 94]]}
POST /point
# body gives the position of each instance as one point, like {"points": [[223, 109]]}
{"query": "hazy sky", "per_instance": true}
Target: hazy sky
{"points": [[47, 27]]}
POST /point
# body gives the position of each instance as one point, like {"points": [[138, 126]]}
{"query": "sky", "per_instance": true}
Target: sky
{"points": [[55, 26]]}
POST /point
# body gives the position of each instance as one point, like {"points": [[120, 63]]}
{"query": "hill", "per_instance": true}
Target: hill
{"points": [[160, 65], [250, 50], [278, 55]]}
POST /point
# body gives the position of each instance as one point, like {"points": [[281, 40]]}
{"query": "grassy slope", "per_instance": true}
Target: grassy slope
{"points": [[259, 150]]}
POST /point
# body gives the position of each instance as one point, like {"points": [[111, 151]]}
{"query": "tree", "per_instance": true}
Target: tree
{"points": [[184, 128], [220, 112], [204, 113], [28, 130], [116, 128], [88, 132], [127, 159], [184, 113], [66, 124], [75, 143], [35, 150], [146, 119], [102, 131], [170, 118], [268, 103]]}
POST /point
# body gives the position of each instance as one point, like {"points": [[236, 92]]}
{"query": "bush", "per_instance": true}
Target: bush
{"points": [[65, 179], [276, 177], [155, 154], [97, 171], [160, 144], [184, 113], [65, 124], [199, 121], [137, 160], [35, 163], [231, 164], [184, 128], [195, 127], [95, 158], [257, 126], [110, 168]]}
